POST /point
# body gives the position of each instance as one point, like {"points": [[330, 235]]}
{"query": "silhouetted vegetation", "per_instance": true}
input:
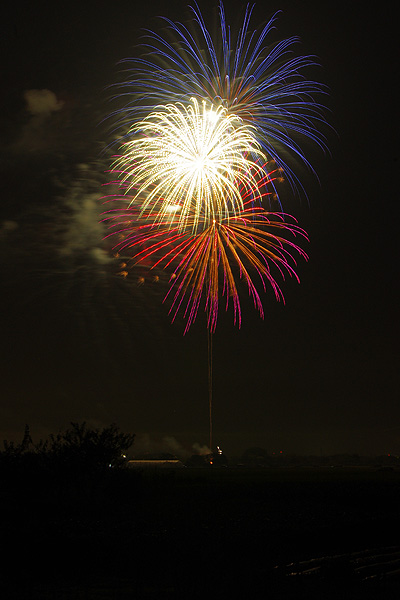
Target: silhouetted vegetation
{"points": [[79, 448]]}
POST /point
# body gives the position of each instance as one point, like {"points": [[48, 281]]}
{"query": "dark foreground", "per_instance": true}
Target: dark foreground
{"points": [[195, 533]]}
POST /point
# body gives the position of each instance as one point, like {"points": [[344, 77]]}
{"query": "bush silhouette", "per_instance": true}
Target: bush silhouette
{"points": [[86, 449], [78, 449]]}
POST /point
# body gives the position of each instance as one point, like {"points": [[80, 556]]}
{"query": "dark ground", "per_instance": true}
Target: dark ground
{"points": [[195, 533]]}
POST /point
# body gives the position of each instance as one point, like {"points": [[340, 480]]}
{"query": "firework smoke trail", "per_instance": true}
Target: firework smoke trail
{"points": [[262, 83]]}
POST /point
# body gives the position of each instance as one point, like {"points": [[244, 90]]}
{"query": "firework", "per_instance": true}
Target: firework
{"points": [[262, 83], [191, 160], [194, 179], [207, 265], [210, 127]]}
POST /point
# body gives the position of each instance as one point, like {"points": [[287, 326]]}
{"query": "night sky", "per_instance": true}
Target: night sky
{"points": [[79, 342]]}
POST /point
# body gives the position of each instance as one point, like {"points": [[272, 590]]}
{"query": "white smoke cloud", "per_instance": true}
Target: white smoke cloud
{"points": [[7, 227], [202, 450], [100, 256], [145, 444], [84, 231], [39, 133], [175, 447], [42, 102]]}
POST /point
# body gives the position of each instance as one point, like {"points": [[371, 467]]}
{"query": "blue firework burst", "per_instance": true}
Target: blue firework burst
{"points": [[263, 83]]}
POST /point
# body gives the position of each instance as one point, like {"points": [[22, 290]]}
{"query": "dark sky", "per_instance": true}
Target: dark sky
{"points": [[319, 374]]}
